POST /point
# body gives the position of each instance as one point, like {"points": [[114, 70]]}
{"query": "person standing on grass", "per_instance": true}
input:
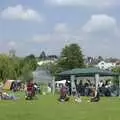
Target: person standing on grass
{"points": [[77, 96], [68, 85]]}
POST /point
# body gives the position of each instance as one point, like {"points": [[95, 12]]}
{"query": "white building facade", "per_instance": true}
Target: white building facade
{"points": [[105, 66]]}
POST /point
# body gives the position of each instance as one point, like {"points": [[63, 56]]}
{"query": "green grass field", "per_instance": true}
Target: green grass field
{"points": [[48, 108]]}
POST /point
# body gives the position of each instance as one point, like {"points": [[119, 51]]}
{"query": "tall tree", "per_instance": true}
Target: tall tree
{"points": [[31, 61], [15, 68], [117, 70], [7, 68], [71, 57], [30, 57]]}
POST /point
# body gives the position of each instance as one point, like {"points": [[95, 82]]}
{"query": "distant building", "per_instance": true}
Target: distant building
{"points": [[91, 61], [52, 57], [117, 63], [42, 62], [49, 59], [105, 65]]}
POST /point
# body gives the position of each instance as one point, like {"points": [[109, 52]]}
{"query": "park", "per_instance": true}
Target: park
{"points": [[46, 106], [59, 60]]}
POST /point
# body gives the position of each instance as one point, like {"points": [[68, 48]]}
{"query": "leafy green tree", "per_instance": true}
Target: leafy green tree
{"points": [[27, 76], [27, 66], [71, 57], [54, 69], [30, 57], [15, 68], [4, 64], [117, 70], [31, 60]]}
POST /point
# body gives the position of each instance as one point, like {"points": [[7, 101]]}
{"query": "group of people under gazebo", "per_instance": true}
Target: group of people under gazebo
{"points": [[95, 88], [65, 93]]}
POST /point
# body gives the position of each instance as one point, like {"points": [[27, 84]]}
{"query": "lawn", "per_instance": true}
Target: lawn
{"points": [[48, 108]]}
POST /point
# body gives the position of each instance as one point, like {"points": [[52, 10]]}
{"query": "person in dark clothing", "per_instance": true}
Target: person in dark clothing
{"points": [[67, 85], [81, 88], [96, 96], [69, 89], [14, 87], [76, 85]]}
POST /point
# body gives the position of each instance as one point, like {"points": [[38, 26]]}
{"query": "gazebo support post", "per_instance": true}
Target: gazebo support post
{"points": [[53, 85], [119, 85], [73, 87], [97, 78]]}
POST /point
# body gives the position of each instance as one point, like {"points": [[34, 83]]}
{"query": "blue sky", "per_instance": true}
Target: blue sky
{"points": [[30, 26]]}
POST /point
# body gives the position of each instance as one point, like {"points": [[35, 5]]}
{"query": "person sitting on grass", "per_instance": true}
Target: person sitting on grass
{"points": [[96, 96], [63, 94], [6, 96], [78, 97]]}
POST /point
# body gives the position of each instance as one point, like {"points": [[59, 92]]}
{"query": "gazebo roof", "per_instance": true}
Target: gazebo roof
{"points": [[85, 72]]}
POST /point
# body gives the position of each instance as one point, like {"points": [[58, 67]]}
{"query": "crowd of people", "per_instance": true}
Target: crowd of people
{"points": [[104, 88], [86, 89], [65, 93], [81, 89], [30, 88]]}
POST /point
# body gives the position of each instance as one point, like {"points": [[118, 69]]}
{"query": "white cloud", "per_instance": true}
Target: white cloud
{"points": [[19, 12], [100, 23], [100, 35], [95, 3], [99, 26], [51, 37], [41, 38], [61, 28], [60, 32], [97, 37]]}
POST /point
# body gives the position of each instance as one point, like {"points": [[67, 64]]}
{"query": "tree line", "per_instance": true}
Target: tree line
{"points": [[18, 68], [15, 67]]}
